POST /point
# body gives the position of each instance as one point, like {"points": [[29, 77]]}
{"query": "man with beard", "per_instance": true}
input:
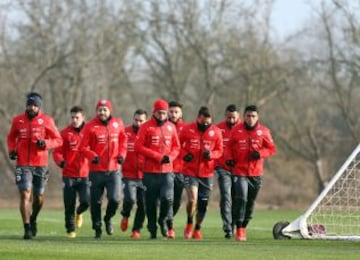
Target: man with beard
{"points": [[31, 136], [132, 172], [158, 142], [223, 171], [175, 116], [104, 145], [201, 145], [249, 144]]}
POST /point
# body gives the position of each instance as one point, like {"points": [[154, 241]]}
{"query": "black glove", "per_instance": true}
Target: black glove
{"points": [[255, 155], [13, 155], [40, 143], [165, 159], [96, 160], [188, 157], [230, 163], [120, 160], [62, 164], [207, 155]]}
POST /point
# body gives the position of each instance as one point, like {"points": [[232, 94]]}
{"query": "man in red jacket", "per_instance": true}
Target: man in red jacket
{"points": [[31, 136], [133, 187], [201, 145], [249, 144], [224, 172], [175, 116], [104, 145], [75, 171], [158, 142]]}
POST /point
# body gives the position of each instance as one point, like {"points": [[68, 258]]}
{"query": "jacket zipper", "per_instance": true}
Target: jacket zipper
{"points": [[108, 147], [248, 155], [78, 154], [200, 154], [162, 146], [136, 159], [29, 141]]}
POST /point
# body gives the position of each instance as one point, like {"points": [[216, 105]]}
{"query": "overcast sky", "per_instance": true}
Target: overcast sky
{"points": [[289, 15]]}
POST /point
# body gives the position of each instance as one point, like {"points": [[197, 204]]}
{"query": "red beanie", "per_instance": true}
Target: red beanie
{"points": [[160, 104], [104, 103]]}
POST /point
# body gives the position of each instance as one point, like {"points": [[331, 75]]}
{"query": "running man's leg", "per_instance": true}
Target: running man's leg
{"points": [[152, 193], [225, 186], [69, 198]]}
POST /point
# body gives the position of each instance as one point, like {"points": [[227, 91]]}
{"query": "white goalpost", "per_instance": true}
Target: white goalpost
{"points": [[335, 214]]}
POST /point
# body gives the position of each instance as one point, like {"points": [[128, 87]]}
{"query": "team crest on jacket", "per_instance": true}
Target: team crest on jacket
{"points": [[115, 124], [169, 127], [40, 121], [259, 132], [211, 133]]}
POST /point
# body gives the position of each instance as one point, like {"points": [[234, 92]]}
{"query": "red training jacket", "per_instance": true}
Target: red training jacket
{"points": [[24, 134], [195, 142], [107, 141], [77, 166], [178, 162], [225, 131], [154, 142], [241, 145], [133, 164]]}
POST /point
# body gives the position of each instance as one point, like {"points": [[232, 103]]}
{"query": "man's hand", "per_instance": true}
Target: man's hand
{"points": [[120, 160], [188, 157], [230, 163], [41, 143], [96, 160], [62, 164], [255, 155], [165, 159], [13, 155], [207, 155]]}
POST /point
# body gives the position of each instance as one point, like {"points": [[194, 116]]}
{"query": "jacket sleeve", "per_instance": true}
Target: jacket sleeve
{"points": [[228, 151], [218, 150], [140, 146], [12, 138], [53, 137], [182, 140], [84, 146], [268, 148], [175, 147], [58, 154], [122, 143]]}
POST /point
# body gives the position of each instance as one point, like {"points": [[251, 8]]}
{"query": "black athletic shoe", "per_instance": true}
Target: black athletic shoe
{"points": [[28, 234], [228, 235], [33, 228], [163, 228], [98, 233], [109, 228]]}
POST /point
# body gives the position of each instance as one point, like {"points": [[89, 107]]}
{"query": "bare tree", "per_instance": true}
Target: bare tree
{"points": [[327, 82], [71, 52], [198, 52], [341, 37]]}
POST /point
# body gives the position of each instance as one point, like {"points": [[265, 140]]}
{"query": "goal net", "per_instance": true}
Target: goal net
{"points": [[335, 214]]}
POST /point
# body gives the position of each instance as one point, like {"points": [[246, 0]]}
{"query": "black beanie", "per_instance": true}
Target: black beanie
{"points": [[34, 100]]}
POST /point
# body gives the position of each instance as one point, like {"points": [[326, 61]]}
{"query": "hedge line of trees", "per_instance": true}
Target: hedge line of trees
{"points": [[211, 52]]}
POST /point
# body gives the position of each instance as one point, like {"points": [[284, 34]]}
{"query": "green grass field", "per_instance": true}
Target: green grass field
{"points": [[51, 242]]}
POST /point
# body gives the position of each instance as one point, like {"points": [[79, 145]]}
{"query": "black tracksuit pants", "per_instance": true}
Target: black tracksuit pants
{"points": [[159, 190]]}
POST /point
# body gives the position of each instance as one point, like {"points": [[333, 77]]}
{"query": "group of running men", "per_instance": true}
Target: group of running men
{"points": [[150, 161]]}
